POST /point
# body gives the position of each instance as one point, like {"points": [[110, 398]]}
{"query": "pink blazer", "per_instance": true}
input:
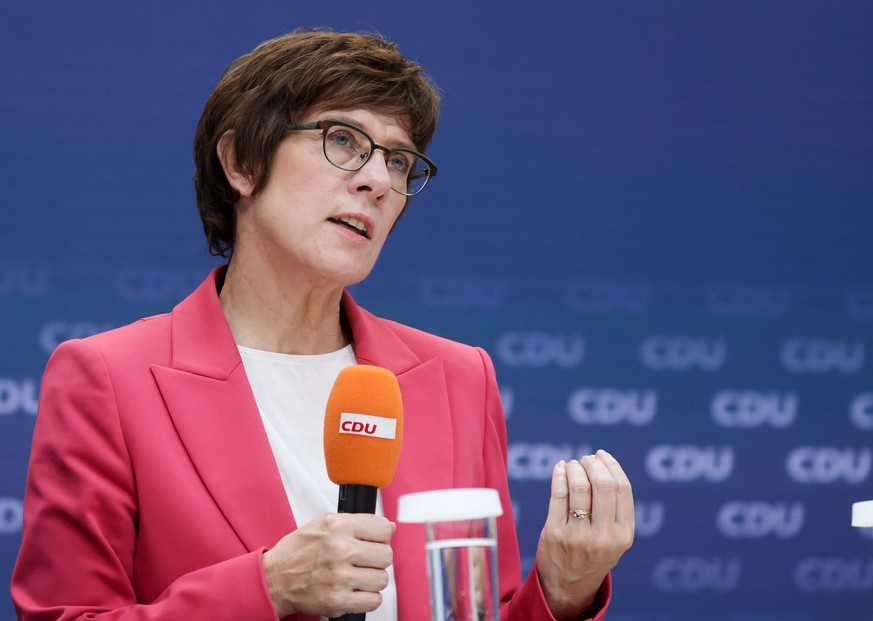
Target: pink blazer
{"points": [[153, 491]]}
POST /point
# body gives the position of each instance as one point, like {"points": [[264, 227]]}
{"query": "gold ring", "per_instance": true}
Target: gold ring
{"points": [[581, 514]]}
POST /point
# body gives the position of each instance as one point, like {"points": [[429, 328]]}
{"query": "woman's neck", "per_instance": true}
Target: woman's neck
{"points": [[287, 317]]}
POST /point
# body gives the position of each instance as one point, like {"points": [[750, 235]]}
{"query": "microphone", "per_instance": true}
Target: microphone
{"points": [[363, 431]]}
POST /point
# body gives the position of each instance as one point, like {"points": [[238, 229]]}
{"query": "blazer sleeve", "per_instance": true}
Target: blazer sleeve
{"points": [[524, 602], [80, 516]]}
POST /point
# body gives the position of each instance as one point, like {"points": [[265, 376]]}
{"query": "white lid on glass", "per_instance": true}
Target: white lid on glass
{"points": [[862, 514], [449, 504]]}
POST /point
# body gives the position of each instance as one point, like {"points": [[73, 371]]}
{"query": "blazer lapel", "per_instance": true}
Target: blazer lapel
{"points": [[210, 401], [426, 457]]}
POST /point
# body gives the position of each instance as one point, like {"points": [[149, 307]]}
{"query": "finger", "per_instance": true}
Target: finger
{"points": [[603, 494], [372, 555], [368, 579], [358, 601], [624, 509], [580, 487], [369, 527], [558, 508]]}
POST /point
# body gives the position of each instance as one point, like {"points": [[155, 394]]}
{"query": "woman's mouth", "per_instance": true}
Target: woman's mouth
{"points": [[353, 224]]}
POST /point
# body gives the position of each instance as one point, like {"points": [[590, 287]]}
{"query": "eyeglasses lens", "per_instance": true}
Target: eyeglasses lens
{"points": [[349, 149]]}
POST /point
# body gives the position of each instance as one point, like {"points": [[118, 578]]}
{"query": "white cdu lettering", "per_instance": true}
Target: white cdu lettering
{"points": [[689, 463], [747, 301], [749, 409], [648, 517], [611, 406], [18, 396], [604, 297], [861, 411], [825, 465], [538, 349], [661, 352], [694, 574], [154, 283], [833, 575], [56, 332], [447, 292], [367, 425], [535, 462], [27, 281], [819, 355], [755, 520], [11, 515]]}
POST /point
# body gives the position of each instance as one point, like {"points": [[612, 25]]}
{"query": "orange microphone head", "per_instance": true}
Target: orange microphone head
{"points": [[363, 427]]}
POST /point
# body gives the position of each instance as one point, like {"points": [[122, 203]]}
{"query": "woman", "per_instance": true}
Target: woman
{"points": [[177, 472]]}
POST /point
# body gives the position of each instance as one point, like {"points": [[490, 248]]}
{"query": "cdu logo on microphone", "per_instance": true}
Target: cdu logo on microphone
{"points": [[367, 425]]}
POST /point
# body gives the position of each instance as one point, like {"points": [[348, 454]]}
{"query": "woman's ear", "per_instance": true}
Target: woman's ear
{"points": [[240, 181]]}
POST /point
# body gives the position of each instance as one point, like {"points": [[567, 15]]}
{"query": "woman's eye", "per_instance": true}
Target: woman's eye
{"points": [[342, 139], [400, 162]]}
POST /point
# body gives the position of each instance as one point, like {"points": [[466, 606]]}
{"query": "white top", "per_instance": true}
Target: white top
{"points": [[291, 392], [449, 504]]}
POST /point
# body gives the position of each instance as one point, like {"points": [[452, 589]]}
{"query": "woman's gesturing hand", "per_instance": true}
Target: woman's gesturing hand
{"points": [[590, 524], [334, 565]]}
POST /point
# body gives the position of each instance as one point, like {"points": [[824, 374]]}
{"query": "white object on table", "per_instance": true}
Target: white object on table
{"points": [[862, 514]]}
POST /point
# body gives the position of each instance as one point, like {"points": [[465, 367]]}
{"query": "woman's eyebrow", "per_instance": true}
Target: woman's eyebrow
{"points": [[397, 145]]}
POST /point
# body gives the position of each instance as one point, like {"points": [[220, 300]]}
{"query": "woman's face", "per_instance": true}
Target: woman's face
{"points": [[316, 221]]}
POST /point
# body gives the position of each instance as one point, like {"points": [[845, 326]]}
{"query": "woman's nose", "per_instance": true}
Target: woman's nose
{"points": [[374, 176]]}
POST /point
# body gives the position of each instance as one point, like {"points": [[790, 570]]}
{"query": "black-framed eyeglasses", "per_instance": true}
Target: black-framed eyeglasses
{"points": [[349, 147]]}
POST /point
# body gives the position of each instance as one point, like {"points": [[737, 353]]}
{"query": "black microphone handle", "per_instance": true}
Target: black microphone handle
{"points": [[354, 498]]}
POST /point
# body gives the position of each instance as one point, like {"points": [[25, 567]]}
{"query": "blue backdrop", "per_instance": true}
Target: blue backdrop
{"points": [[656, 216]]}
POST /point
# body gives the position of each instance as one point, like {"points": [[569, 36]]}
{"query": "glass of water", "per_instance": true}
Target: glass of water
{"points": [[461, 550]]}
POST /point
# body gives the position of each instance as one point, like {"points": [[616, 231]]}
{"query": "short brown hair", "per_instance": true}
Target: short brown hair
{"points": [[272, 87]]}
